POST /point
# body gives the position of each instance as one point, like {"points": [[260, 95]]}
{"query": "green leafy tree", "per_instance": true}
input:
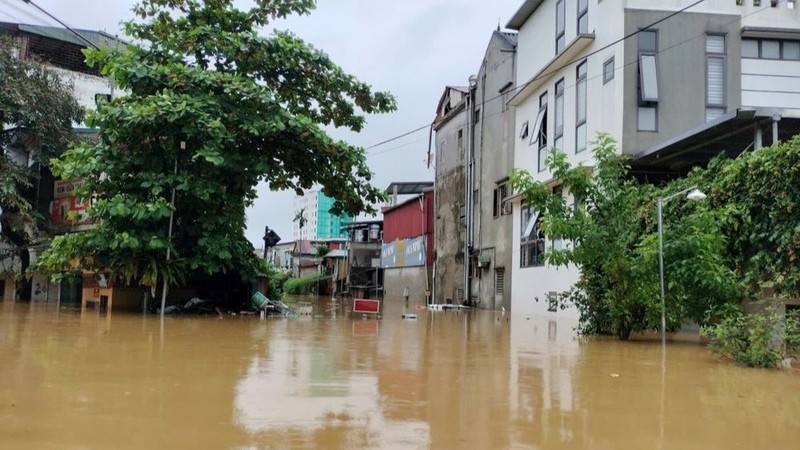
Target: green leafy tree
{"points": [[37, 111], [610, 225], [759, 192], [213, 108]]}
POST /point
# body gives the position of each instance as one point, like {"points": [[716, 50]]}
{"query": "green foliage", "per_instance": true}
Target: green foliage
{"points": [[761, 339], [322, 251], [212, 109], [302, 285], [37, 110], [612, 228], [277, 278], [759, 195]]}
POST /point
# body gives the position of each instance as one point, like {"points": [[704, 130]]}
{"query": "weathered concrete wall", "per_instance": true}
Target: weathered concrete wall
{"points": [[396, 280], [494, 158], [449, 198]]}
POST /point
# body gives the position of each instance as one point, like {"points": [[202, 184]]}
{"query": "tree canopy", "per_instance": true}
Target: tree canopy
{"points": [[611, 228], [37, 112], [211, 109]]}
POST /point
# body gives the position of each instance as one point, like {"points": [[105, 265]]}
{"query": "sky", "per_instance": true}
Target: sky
{"points": [[411, 48]]}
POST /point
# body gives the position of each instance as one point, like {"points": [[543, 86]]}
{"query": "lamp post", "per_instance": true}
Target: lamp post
{"points": [[694, 194]]}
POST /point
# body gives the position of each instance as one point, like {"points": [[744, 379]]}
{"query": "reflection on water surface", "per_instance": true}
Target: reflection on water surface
{"points": [[446, 380]]}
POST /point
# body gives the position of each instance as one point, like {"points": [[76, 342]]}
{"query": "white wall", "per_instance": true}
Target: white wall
{"points": [[604, 114], [752, 16], [85, 87], [771, 84]]}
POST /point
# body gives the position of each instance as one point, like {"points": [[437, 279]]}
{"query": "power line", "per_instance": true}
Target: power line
{"points": [[80, 36], [558, 69], [23, 11]]}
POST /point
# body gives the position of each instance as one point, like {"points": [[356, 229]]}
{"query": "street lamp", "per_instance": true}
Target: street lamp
{"points": [[695, 195]]}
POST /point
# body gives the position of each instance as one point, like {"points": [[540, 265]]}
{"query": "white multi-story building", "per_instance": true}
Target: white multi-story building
{"points": [[673, 87], [319, 223]]}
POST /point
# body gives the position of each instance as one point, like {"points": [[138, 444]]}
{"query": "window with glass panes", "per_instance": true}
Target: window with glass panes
{"points": [[580, 108]]}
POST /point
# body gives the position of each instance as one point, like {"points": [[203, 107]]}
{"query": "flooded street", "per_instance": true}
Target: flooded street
{"points": [[446, 380]]}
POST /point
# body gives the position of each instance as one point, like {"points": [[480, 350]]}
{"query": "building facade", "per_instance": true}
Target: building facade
{"points": [[319, 222], [450, 186], [407, 249], [61, 51], [474, 154], [673, 85]]}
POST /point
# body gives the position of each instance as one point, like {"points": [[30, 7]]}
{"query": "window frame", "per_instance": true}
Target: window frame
{"points": [[653, 51], [609, 78], [781, 48], [581, 15], [581, 85], [560, 87], [531, 248], [561, 36], [723, 58], [542, 136]]}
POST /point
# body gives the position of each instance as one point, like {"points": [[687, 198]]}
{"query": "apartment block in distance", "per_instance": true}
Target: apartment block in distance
{"points": [[319, 224]]}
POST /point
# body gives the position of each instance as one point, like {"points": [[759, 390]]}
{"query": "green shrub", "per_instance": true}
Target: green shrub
{"points": [[761, 339], [301, 285]]}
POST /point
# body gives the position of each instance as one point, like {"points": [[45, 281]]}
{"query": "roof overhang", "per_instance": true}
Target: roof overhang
{"points": [[521, 16], [730, 134], [770, 32], [408, 187], [552, 68]]}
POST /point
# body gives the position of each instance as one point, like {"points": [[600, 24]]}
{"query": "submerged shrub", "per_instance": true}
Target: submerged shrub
{"points": [[762, 339], [301, 285]]}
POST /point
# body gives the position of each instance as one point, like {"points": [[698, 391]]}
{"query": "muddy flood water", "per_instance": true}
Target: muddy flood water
{"points": [[447, 380]]}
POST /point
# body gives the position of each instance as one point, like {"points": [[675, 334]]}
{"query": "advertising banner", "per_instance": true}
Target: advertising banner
{"points": [[403, 253]]}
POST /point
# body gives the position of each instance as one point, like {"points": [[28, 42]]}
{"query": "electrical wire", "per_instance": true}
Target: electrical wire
{"points": [[80, 36], [582, 58]]}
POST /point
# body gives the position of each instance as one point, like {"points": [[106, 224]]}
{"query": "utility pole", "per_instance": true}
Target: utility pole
{"points": [[169, 232]]}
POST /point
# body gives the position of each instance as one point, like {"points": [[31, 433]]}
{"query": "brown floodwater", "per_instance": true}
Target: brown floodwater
{"points": [[447, 380]]}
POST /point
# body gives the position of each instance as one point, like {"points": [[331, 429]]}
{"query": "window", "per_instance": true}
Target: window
{"points": [[540, 132], [648, 81], [648, 78], [583, 16], [561, 24], [580, 109], [608, 70], [499, 281], [647, 119], [552, 301], [771, 49], [523, 132], [715, 76], [499, 206], [531, 240], [559, 113], [477, 117], [460, 138], [558, 192]]}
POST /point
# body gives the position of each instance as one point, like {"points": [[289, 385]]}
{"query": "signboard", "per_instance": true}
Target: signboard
{"points": [[366, 306], [403, 253], [65, 202]]}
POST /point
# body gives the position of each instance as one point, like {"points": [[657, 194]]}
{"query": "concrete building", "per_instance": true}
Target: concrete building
{"points": [[365, 274], [723, 75], [320, 223], [60, 50], [451, 142], [407, 249], [475, 147]]}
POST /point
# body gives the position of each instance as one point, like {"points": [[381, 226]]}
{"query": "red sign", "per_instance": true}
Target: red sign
{"points": [[366, 306]]}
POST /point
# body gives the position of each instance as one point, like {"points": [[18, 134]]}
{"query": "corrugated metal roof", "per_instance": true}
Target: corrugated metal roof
{"points": [[99, 38]]}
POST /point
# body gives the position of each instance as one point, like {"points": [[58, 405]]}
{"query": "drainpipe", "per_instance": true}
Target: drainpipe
{"points": [[468, 209]]}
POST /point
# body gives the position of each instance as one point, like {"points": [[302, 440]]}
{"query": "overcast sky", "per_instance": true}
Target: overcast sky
{"points": [[411, 48]]}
